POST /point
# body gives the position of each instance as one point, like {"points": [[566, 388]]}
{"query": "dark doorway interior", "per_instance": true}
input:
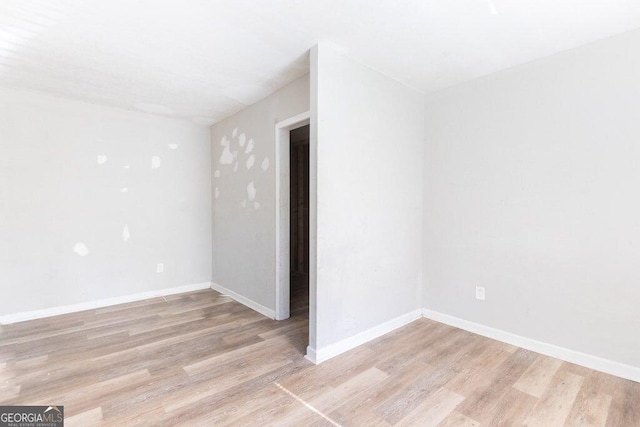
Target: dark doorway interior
{"points": [[299, 233]]}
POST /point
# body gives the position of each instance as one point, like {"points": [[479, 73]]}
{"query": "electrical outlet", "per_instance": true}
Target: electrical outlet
{"points": [[160, 268], [480, 293]]}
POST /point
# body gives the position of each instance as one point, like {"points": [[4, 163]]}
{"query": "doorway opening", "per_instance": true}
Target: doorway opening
{"points": [[294, 212], [299, 222], [296, 267]]}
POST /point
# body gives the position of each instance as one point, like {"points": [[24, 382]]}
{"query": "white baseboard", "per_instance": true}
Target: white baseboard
{"points": [[311, 355], [593, 362], [332, 350], [245, 301], [90, 305]]}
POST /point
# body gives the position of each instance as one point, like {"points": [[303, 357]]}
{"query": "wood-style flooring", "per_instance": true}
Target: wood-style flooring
{"points": [[201, 359], [299, 295]]}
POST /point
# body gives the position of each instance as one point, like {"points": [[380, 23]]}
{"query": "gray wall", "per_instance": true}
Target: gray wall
{"points": [[369, 142], [73, 176], [244, 193], [532, 180]]}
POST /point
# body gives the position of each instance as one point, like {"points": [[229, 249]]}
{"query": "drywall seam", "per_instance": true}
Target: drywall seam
{"points": [[244, 301], [587, 360], [73, 308], [320, 355]]}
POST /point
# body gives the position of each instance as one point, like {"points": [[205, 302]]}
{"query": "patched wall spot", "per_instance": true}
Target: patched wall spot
{"points": [[81, 249], [251, 191], [156, 162], [226, 158], [250, 145]]}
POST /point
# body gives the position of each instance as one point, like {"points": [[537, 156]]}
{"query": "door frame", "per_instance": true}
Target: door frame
{"points": [[282, 207]]}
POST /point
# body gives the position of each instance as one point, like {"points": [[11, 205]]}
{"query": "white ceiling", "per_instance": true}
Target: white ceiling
{"points": [[203, 60]]}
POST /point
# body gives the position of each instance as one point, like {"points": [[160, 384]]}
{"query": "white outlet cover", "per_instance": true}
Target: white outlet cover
{"points": [[160, 268], [480, 293]]}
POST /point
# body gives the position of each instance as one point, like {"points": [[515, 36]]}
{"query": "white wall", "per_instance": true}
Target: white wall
{"points": [[54, 193], [244, 226], [367, 133], [532, 190]]}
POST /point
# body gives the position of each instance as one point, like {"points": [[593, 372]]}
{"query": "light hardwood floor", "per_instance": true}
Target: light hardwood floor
{"points": [[203, 359]]}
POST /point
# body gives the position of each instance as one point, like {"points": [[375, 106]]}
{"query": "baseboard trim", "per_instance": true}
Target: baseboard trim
{"points": [[332, 350], [90, 305], [593, 362], [245, 301], [311, 355]]}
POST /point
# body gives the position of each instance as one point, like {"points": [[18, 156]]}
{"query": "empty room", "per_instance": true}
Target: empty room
{"points": [[291, 213]]}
